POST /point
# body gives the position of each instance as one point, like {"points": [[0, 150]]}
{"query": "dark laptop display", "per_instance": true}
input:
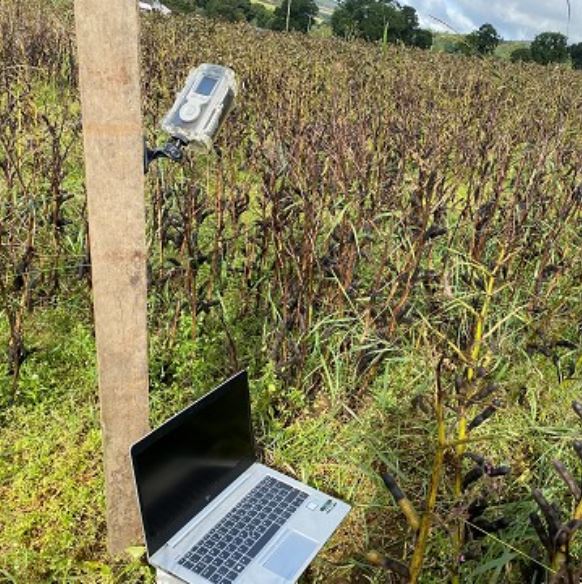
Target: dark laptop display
{"points": [[192, 458]]}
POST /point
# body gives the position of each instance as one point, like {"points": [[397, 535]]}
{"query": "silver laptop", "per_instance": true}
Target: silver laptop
{"points": [[211, 512]]}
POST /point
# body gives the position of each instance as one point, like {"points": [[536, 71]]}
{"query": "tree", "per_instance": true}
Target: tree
{"points": [[549, 47], [301, 15], [522, 55], [483, 41], [422, 38], [461, 48], [376, 20], [229, 10], [412, 35], [344, 22], [576, 55], [410, 23], [449, 45], [368, 19], [261, 16]]}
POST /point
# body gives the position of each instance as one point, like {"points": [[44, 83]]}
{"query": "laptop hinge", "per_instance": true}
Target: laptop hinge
{"points": [[177, 538]]}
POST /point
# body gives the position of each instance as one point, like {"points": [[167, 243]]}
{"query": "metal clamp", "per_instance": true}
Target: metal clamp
{"points": [[172, 149]]}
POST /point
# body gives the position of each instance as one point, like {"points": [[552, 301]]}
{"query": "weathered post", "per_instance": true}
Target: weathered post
{"points": [[107, 42]]}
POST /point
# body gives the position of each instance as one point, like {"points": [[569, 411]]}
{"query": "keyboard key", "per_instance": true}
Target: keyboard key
{"points": [[261, 542], [208, 571]]}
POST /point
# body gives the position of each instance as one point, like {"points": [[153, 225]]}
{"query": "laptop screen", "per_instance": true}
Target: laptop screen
{"points": [[189, 460]]}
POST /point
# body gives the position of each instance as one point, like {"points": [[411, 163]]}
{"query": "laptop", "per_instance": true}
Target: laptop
{"points": [[211, 512]]}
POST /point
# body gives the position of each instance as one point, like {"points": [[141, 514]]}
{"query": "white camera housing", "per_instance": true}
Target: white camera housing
{"points": [[201, 107]]}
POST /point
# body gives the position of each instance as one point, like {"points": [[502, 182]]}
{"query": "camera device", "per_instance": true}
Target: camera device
{"points": [[201, 107], [198, 111]]}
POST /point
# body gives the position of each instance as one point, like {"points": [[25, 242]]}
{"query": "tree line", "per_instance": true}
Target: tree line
{"points": [[548, 48], [289, 15], [545, 49], [373, 20], [382, 20]]}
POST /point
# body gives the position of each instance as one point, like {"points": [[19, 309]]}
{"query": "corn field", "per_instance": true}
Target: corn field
{"points": [[364, 206]]}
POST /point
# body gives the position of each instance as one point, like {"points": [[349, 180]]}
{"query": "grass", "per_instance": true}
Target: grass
{"points": [[51, 483], [52, 518]]}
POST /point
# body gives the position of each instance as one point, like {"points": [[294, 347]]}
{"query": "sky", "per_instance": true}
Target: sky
{"points": [[513, 19]]}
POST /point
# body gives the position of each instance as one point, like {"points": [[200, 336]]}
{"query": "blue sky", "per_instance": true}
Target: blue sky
{"points": [[514, 19]]}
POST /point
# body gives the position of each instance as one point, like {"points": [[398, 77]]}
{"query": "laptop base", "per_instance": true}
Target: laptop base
{"points": [[165, 578], [284, 557]]}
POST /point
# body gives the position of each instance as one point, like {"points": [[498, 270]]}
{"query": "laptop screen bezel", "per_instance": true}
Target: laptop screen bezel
{"points": [[155, 542]]}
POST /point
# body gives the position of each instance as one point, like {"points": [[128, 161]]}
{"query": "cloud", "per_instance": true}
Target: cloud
{"points": [[514, 19]]}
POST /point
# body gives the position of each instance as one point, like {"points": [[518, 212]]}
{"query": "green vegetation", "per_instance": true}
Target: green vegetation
{"points": [[484, 41], [388, 241], [263, 14], [521, 55], [376, 20], [448, 42], [385, 21], [576, 55], [230, 10], [294, 15], [549, 47]]}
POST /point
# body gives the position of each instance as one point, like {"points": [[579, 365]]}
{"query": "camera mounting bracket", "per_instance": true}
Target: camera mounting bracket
{"points": [[173, 149]]}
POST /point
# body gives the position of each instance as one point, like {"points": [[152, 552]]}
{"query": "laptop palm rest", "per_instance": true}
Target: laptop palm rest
{"points": [[292, 552]]}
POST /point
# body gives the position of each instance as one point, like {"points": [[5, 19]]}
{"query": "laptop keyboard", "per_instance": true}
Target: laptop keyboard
{"points": [[231, 545]]}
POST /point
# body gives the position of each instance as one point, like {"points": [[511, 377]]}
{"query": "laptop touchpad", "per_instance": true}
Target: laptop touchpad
{"points": [[291, 553]]}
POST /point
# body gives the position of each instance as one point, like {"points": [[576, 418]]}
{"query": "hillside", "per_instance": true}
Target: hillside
{"points": [[326, 8], [443, 42], [387, 239]]}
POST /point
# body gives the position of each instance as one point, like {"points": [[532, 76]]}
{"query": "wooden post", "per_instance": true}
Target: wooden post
{"points": [[107, 44]]}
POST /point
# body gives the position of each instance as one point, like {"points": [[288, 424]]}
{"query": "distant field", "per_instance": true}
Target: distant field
{"points": [[443, 41], [270, 5], [326, 7]]}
